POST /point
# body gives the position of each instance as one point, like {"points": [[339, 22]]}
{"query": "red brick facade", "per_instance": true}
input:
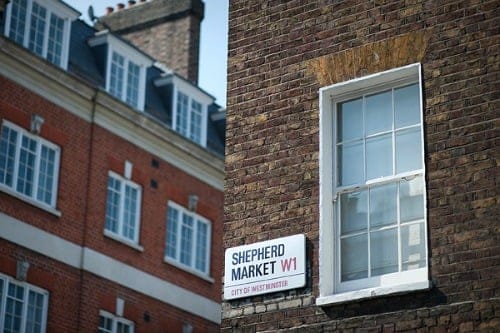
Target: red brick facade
{"points": [[62, 246], [280, 55], [73, 135]]}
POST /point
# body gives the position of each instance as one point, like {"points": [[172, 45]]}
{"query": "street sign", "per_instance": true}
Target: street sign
{"points": [[265, 267]]}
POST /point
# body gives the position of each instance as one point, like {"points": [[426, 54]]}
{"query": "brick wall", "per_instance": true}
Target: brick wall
{"points": [[280, 54], [148, 314], [109, 154], [72, 135], [62, 283], [88, 153]]}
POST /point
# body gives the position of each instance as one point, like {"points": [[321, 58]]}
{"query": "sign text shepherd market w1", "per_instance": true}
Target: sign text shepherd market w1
{"points": [[265, 267]]}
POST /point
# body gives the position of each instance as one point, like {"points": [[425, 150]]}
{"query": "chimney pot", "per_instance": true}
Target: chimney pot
{"points": [[120, 6], [109, 10]]}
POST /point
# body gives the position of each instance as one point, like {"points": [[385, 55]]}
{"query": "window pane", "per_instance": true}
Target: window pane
{"points": [[182, 114], [172, 225], [201, 246], [378, 113], [35, 312], [353, 212], [383, 205], [350, 120], [408, 150], [413, 246], [26, 171], [384, 252], [31, 311], [18, 21], [354, 259], [105, 325], [46, 175], [412, 199], [122, 328], [54, 50], [7, 155], [133, 84], [13, 308], [186, 239], [379, 156], [196, 118], [112, 204], [116, 77], [130, 213], [37, 29], [407, 106], [350, 163]]}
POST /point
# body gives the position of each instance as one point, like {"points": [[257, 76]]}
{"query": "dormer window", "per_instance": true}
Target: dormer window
{"points": [[42, 26], [189, 108], [124, 79], [189, 117], [125, 69]]}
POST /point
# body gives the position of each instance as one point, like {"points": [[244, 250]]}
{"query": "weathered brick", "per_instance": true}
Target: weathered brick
{"points": [[272, 179]]}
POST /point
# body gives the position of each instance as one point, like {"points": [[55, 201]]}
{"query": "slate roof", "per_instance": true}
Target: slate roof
{"points": [[88, 63]]}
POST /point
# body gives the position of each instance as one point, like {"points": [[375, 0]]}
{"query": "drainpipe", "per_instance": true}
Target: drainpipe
{"points": [[86, 207]]}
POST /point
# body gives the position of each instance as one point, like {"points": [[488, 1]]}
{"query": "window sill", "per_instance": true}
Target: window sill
{"points": [[372, 293], [117, 238], [31, 201], [188, 269]]}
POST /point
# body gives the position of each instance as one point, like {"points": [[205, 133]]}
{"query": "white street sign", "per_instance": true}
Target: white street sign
{"points": [[265, 267]]}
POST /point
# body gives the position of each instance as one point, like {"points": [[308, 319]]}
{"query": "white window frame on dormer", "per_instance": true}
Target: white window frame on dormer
{"points": [[185, 116], [53, 9], [195, 95], [123, 94], [354, 260], [131, 57]]}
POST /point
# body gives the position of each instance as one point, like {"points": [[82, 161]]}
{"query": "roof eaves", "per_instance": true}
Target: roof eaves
{"points": [[105, 36], [169, 77]]}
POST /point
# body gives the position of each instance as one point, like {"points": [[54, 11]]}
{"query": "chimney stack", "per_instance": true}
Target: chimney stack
{"points": [[167, 30]]}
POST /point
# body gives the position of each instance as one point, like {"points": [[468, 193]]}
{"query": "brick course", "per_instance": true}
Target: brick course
{"points": [[88, 153], [280, 54], [18, 105], [62, 282]]}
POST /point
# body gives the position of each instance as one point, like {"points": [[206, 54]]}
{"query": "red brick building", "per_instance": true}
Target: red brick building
{"points": [[369, 127], [111, 177]]}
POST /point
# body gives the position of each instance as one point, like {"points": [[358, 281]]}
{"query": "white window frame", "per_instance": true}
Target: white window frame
{"points": [[193, 93], [7, 280], [125, 84], [130, 55], [331, 289], [115, 320], [119, 234], [61, 11], [176, 261], [39, 142], [201, 140]]}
